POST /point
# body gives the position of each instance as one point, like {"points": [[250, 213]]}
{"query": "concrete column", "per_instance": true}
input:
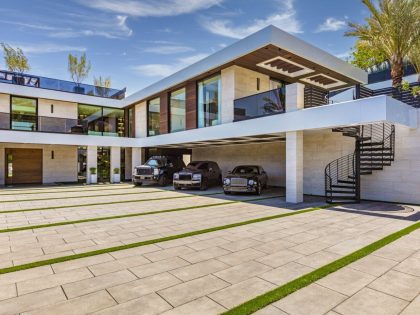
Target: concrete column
{"points": [[294, 166], [128, 163], [228, 94], [137, 158], [92, 161], [115, 163], [294, 146], [2, 166]]}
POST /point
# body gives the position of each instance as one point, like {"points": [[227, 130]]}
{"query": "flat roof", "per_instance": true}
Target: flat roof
{"points": [[288, 56]]}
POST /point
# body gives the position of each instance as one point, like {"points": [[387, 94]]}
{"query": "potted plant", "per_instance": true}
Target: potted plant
{"points": [[16, 62], [116, 177], [93, 175], [79, 70], [102, 86]]}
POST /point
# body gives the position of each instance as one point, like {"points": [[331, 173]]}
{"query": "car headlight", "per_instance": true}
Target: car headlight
{"points": [[227, 181], [251, 182], [155, 171], [196, 177], [176, 176]]}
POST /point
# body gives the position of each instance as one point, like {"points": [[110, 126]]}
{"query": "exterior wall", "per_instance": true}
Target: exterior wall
{"points": [[128, 163], [61, 109], [239, 82], [399, 182], [63, 168], [271, 156], [141, 119], [4, 103], [319, 149]]}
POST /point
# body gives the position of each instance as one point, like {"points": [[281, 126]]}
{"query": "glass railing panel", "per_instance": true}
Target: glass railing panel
{"points": [[261, 104]]}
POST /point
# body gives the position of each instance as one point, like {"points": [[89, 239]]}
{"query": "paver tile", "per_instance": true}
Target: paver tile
{"points": [[7, 291], [279, 258], [241, 292], [31, 301], [191, 290], [286, 273], [318, 259], [119, 264], [205, 254], [372, 302], [242, 272], [312, 299], [82, 262], [135, 289], [413, 308], [202, 305], [158, 267], [23, 275], [82, 305], [86, 286], [149, 305], [199, 269], [394, 252], [410, 266], [241, 256], [401, 285], [373, 265], [50, 281], [168, 253], [270, 310]]}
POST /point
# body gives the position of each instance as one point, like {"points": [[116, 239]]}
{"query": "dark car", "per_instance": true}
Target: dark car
{"points": [[198, 174], [157, 170], [247, 179]]}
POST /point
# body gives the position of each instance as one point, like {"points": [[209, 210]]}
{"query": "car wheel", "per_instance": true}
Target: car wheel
{"points": [[163, 181], [258, 190], [138, 184], [176, 187], [220, 180], [226, 192], [204, 184]]}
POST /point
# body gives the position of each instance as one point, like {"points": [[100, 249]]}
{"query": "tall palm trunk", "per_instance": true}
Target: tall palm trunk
{"points": [[397, 71]]}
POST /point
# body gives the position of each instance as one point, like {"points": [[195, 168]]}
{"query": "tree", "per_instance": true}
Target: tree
{"points": [[391, 30], [15, 59], [78, 68], [414, 58], [366, 56], [102, 85]]}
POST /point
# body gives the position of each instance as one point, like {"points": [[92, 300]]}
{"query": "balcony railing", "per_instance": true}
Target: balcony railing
{"points": [[317, 97], [55, 125], [59, 85], [261, 104]]}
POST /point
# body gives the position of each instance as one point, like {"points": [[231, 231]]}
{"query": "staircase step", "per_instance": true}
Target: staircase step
{"points": [[343, 186], [364, 144], [342, 181], [375, 149], [375, 159], [344, 192], [343, 197], [375, 154], [365, 172], [371, 164], [341, 201], [371, 168]]}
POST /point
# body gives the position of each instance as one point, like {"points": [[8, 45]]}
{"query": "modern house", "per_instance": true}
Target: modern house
{"points": [[271, 99]]}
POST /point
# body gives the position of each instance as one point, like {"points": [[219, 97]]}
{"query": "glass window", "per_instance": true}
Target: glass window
{"points": [[24, 113], [153, 113], [177, 110], [90, 117], [113, 122], [209, 100], [131, 131]]}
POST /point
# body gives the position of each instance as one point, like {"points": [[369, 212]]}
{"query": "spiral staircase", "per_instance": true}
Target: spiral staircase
{"points": [[374, 149]]}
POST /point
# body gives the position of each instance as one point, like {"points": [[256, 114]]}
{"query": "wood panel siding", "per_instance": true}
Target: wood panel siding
{"points": [[164, 113], [191, 105], [27, 166]]}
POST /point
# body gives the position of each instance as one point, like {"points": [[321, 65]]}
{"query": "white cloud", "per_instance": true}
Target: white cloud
{"points": [[43, 48], [168, 49], [331, 25], [151, 7], [163, 70], [115, 27], [42, 27], [285, 19]]}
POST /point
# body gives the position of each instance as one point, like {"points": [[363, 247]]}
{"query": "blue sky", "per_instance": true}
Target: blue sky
{"points": [[137, 42]]}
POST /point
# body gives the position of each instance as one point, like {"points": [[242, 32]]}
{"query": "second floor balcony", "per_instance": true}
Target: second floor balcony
{"points": [[60, 85], [35, 123]]}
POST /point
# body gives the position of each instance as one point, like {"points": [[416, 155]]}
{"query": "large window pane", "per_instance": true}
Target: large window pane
{"points": [[154, 117], [131, 118], [177, 104], [24, 113], [90, 117], [209, 100], [113, 120]]}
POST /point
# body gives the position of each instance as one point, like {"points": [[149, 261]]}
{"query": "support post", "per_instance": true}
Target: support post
{"points": [[115, 163], [294, 166], [137, 158], [92, 161]]}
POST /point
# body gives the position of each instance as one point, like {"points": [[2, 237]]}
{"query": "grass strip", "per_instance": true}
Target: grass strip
{"points": [[61, 191], [138, 214], [149, 242], [78, 197], [272, 296], [106, 203]]}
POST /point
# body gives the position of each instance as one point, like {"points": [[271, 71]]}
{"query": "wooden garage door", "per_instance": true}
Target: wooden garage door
{"points": [[23, 166]]}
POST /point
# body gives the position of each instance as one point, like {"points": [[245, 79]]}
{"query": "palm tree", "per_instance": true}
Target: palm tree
{"points": [[414, 58], [392, 29]]}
